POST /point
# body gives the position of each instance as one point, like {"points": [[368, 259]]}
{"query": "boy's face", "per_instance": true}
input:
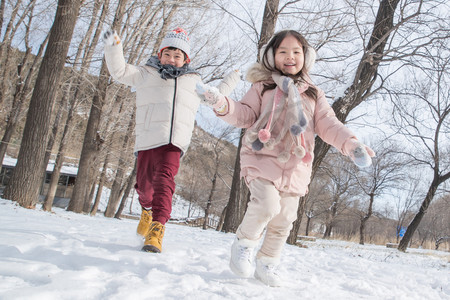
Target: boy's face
{"points": [[172, 57]]}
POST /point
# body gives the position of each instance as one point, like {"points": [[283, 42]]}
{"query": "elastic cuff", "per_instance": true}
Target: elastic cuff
{"points": [[222, 108], [347, 147]]}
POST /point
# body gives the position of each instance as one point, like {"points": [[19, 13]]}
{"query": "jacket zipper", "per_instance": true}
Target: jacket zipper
{"points": [[173, 111]]}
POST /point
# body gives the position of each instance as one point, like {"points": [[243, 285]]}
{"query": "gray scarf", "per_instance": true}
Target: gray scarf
{"points": [[169, 71]]}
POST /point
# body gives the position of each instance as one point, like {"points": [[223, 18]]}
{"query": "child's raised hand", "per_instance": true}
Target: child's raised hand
{"points": [[210, 96], [360, 154], [111, 38]]}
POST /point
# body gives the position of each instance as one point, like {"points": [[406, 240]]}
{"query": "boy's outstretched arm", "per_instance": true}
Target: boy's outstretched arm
{"points": [[118, 68], [229, 82]]}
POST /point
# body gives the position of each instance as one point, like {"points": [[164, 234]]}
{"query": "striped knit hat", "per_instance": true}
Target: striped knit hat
{"points": [[177, 38]]}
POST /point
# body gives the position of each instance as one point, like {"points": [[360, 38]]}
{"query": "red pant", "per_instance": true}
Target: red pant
{"points": [[155, 179]]}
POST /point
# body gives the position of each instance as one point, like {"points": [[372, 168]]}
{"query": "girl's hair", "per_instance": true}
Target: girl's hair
{"points": [[275, 43]]}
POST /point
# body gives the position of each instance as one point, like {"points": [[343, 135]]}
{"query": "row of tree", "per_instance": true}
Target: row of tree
{"points": [[389, 59]]}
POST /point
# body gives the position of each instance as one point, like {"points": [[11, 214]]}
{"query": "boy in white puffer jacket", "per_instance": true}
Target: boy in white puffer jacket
{"points": [[166, 105]]}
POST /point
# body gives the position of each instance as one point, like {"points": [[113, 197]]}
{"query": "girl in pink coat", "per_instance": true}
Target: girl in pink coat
{"points": [[282, 112]]}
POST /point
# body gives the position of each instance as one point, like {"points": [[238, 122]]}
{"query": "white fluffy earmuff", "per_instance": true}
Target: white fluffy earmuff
{"points": [[310, 59]]}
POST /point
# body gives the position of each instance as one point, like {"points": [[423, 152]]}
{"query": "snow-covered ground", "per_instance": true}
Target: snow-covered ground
{"points": [[63, 255]]}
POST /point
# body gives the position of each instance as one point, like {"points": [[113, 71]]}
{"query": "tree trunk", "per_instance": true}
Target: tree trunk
{"points": [[422, 211], [222, 218], [92, 140], [130, 184], [19, 99], [26, 179], [365, 76], [101, 183], [87, 204], [362, 227], [211, 195], [2, 13], [17, 103], [117, 185], [308, 223], [240, 195], [365, 219], [292, 238], [114, 197], [328, 230]]}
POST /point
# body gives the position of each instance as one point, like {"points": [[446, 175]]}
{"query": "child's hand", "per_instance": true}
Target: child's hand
{"points": [[210, 96], [111, 38], [360, 154]]}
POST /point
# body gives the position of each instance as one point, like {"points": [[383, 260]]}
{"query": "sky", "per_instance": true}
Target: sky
{"points": [[64, 255]]}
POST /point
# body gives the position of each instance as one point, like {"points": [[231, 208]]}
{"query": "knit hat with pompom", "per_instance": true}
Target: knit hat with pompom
{"points": [[176, 38]]}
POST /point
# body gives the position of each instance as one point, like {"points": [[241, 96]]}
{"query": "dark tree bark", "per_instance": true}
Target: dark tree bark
{"points": [[365, 77], [25, 182], [364, 220]]}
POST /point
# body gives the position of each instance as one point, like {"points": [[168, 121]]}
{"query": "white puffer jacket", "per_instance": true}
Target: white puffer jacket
{"points": [[165, 109]]}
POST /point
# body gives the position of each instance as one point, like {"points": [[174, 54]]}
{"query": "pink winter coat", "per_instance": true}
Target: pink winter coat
{"points": [[294, 175]]}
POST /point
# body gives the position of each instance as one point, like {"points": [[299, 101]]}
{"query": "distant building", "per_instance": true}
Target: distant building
{"points": [[66, 181]]}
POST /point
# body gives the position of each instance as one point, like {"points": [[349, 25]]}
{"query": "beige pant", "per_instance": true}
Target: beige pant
{"points": [[269, 208]]}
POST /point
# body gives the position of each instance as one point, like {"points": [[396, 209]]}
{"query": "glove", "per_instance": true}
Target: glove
{"points": [[210, 96], [111, 38], [360, 154]]}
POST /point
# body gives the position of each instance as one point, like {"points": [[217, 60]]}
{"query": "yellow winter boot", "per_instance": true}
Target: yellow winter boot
{"points": [[153, 239], [144, 222]]}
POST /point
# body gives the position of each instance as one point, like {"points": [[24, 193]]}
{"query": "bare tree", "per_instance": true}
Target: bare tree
{"points": [[363, 81], [83, 58], [127, 188], [341, 189], [116, 189], [92, 140], [383, 176], [26, 179], [405, 202], [23, 87], [425, 125], [213, 169]]}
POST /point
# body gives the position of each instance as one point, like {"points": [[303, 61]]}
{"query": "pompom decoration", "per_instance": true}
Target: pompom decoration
{"points": [[307, 158], [299, 152], [284, 157], [296, 130], [257, 145], [270, 144], [251, 136], [264, 135]]}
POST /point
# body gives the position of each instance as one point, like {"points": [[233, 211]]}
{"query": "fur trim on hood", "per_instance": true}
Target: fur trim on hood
{"points": [[257, 72]]}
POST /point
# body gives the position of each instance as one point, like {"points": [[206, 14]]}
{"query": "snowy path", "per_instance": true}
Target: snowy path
{"points": [[64, 255]]}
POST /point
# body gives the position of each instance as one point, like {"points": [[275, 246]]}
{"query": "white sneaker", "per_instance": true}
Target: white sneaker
{"points": [[266, 270], [241, 262]]}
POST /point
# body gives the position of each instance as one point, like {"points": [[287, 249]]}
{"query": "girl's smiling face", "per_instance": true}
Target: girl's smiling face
{"points": [[289, 57]]}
